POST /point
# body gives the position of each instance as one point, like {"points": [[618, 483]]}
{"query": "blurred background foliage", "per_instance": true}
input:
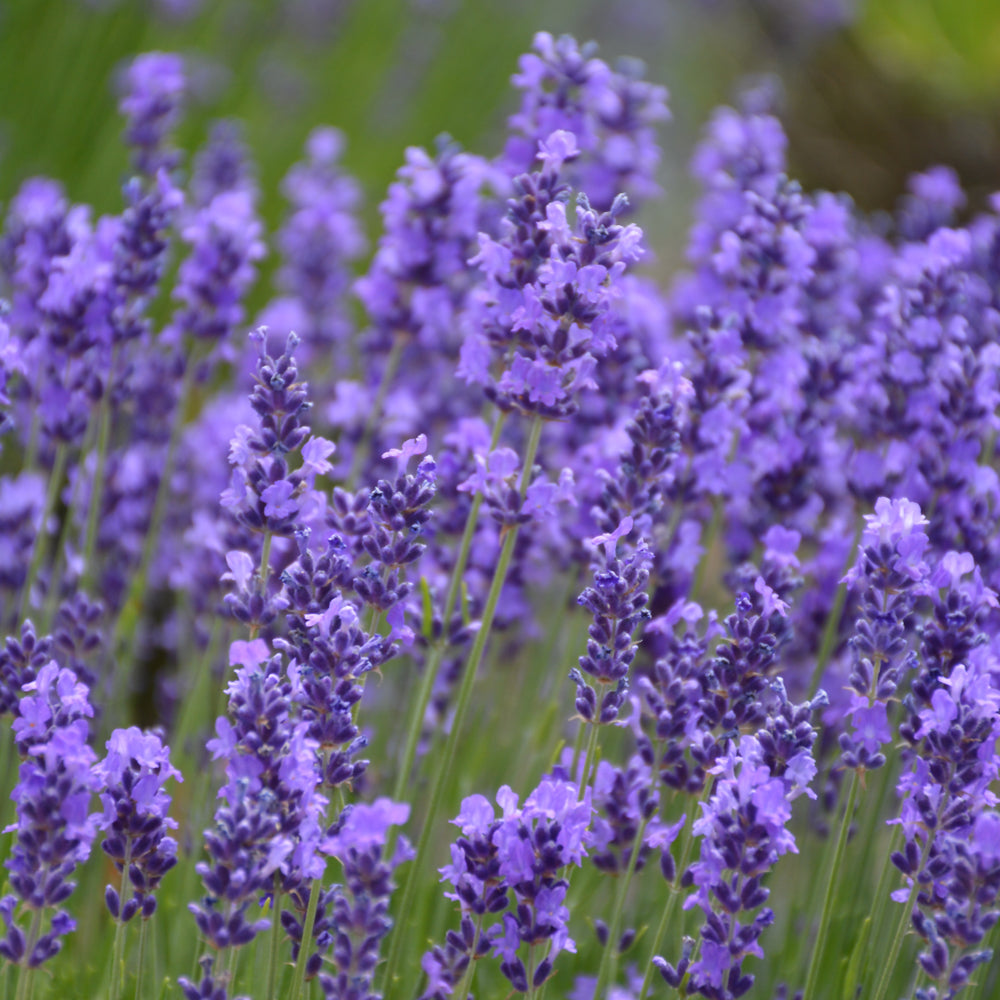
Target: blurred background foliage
{"points": [[869, 90]]}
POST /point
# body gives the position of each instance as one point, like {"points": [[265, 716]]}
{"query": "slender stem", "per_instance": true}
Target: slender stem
{"points": [[132, 608], [265, 560], [588, 761], [54, 590], [141, 957], [889, 962], [816, 958], [577, 750], [609, 960], [276, 935], [299, 975], [449, 756], [118, 949], [465, 983], [668, 910], [433, 664], [714, 528], [233, 957], [829, 639], [26, 978], [38, 549], [7, 759]]}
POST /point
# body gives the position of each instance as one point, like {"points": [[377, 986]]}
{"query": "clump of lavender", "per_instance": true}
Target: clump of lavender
{"points": [[319, 240], [225, 241], [744, 831], [543, 315], [54, 827], [947, 855], [524, 852], [359, 907], [270, 819], [893, 572], [266, 495]]}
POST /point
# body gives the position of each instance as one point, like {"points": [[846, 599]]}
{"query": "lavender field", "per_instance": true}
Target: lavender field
{"points": [[465, 594]]}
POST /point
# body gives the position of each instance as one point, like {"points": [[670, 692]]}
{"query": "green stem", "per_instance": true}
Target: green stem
{"points": [[714, 528], [449, 756], [276, 935], [433, 664], [299, 975], [7, 758], [38, 549], [45, 617], [140, 957], [265, 560], [577, 750], [889, 962], [816, 959], [118, 949], [26, 978], [668, 910], [609, 960], [465, 983], [588, 761], [233, 958], [131, 611], [830, 631]]}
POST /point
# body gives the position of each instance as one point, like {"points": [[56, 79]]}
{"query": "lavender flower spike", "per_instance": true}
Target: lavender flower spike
{"points": [[135, 815], [54, 826], [153, 89]]}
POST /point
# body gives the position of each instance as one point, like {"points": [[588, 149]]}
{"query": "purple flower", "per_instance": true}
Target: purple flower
{"points": [[523, 851], [54, 827], [548, 298], [135, 815], [153, 88], [611, 113]]}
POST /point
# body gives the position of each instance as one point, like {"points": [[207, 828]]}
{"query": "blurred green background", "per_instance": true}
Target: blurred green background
{"points": [[871, 91]]}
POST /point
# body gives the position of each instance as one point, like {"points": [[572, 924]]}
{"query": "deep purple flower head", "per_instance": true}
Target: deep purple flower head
{"points": [[360, 907], [222, 165], [933, 198], [617, 601], [898, 527]]}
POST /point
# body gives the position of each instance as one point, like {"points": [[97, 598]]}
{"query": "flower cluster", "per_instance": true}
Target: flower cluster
{"points": [[132, 777], [54, 828], [550, 285], [525, 852], [744, 831]]}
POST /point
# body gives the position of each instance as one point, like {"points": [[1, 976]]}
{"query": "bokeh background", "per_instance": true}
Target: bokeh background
{"points": [[869, 90]]}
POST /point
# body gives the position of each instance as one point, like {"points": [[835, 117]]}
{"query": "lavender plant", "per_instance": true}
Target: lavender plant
{"points": [[331, 573]]}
